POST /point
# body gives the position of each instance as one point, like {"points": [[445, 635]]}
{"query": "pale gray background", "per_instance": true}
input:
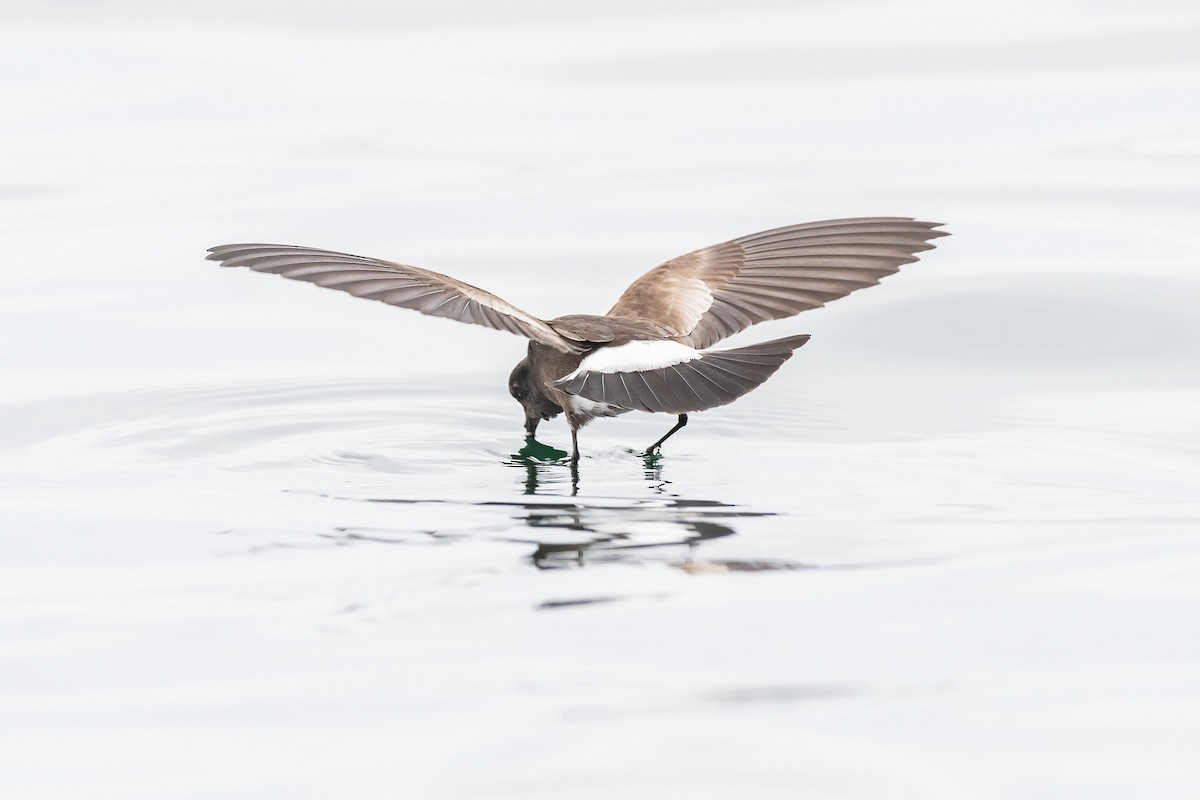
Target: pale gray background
{"points": [[978, 570]]}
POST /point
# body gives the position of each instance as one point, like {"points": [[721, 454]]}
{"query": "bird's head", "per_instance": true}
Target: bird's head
{"points": [[523, 387]]}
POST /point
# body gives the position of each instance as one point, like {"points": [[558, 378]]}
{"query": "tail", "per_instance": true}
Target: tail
{"points": [[693, 381]]}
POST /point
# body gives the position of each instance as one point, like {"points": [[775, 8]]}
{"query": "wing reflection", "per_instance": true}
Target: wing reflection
{"points": [[567, 533]]}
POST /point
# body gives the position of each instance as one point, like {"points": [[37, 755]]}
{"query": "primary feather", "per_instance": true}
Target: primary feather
{"points": [[396, 284], [712, 293]]}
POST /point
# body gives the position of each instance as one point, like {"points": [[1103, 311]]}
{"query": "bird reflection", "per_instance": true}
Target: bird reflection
{"points": [[571, 534], [566, 531], [607, 546]]}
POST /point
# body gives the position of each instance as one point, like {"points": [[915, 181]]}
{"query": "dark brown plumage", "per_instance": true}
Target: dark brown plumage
{"points": [[651, 352]]}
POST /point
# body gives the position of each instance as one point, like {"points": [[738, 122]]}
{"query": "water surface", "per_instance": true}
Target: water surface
{"points": [[262, 540]]}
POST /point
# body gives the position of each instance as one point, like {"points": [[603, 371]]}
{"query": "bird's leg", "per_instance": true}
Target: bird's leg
{"points": [[574, 444], [682, 421]]}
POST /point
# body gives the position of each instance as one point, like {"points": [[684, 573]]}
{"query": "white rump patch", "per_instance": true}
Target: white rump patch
{"points": [[591, 409], [637, 356]]}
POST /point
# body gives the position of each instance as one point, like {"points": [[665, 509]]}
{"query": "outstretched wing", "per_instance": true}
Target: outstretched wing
{"points": [[713, 293], [396, 284]]}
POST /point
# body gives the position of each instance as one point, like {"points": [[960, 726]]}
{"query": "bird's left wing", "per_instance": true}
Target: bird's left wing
{"points": [[395, 284]]}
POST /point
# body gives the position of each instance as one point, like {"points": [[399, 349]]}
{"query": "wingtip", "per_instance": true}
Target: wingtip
{"points": [[793, 343], [225, 252], [218, 252]]}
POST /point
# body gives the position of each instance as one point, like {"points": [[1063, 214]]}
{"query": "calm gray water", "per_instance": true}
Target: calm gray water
{"points": [[262, 540]]}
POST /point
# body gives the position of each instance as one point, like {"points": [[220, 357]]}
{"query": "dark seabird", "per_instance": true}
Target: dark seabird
{"points": [[653, 351]]}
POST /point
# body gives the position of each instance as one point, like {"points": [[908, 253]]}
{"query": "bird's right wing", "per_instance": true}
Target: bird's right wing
{"points": [[396, 284], [709, 294]]}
